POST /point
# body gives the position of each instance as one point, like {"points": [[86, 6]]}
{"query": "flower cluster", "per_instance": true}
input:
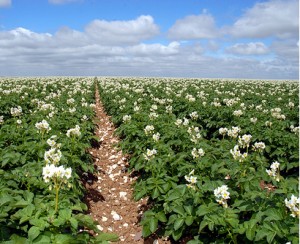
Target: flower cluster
{"points": [[222, 195], [50, 171], [43, 126], [1, 119], [74, 131], [16, 111], [153, 115], [194, 115], [293, 205], [244, 141], [52, 156], [274, 171], [238, 113], [233, 132], [126, 118], [156, 137], [194, 133], [294, 129], [191, 179], [196, 153], [149, 129], [223, 131], [259, 146], [150, 154], [237, 155]]}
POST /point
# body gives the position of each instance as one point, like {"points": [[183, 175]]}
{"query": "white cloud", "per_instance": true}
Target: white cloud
{"points": [[62, 1], [251, 48], [193, 27], [278, 18], [73, 52], [128, 32], [5, 3]]}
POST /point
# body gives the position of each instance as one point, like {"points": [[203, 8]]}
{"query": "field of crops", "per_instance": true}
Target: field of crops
{"points": [[218, 159], [45, 130]]}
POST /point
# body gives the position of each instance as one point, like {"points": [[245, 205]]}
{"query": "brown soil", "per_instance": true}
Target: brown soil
{"points": [[110, 190]]}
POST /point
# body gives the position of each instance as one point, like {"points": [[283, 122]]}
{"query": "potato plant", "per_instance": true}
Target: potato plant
{"points": [[218, 159], [46, 128]]}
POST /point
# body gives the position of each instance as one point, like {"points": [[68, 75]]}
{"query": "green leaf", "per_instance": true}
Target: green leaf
{"points": [[33, 233], [63, 239], [161, 216], [74, 223], [42, 239], [178, 223], [153, 224], [140, 194], [59, 221], [155, 193], [189, 220], [202, 210], [146, 231], [250, 233], [233, 222], [179, 209], [177, 234], [65, 214], [107, 237]]}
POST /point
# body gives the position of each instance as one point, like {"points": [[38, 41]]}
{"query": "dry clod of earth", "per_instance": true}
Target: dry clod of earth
{"points": [[109, 191]]}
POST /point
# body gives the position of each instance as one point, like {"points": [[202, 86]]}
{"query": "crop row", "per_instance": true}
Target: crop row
{"points": [[218, 159], [45, 130]]}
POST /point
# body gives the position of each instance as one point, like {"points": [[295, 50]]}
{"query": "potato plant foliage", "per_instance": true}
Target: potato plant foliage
{"points": [[218, 159], [45, 130]]}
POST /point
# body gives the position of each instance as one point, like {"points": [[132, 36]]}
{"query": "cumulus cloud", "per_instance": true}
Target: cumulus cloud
{"points": [[278, 18], [194, 27], [251, 48], [5, 3], [128, 32], [119, 48]]}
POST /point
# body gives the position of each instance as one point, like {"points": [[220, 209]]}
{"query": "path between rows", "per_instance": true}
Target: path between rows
{"points": [[110, 192]]}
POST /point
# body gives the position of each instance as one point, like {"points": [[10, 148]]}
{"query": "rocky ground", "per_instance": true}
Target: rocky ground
{"points": [[110, 193]]}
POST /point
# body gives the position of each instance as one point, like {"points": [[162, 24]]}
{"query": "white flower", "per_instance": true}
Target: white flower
{"points": [[223, 131], [259, 146], [149, 129], [234, 132], [191, 179], [1, 120], [150, 154], [156, 136], [52, 156], [196, 153], [50, 171], [178, 122], [274, 171], [237, 155], [222, 195], [238, 113], [126, 118], [244, 141], [16, 111], [194, 115], [293, 205], [74, 131], [253, 120], [43, 126]]}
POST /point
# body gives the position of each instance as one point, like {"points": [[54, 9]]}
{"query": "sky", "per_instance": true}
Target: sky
{"points": [[247, 39]]}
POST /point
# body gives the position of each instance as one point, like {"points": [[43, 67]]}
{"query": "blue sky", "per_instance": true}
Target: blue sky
{"points": [[175, 38]]}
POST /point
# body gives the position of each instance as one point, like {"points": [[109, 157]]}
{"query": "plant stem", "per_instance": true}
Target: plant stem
{"points": [[56, 196]]}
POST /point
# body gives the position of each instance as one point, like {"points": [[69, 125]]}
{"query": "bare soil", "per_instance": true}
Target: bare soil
{"points": [[110, 190]]}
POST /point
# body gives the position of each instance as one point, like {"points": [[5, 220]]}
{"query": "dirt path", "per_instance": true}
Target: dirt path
{"points": [[110, 193]]}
